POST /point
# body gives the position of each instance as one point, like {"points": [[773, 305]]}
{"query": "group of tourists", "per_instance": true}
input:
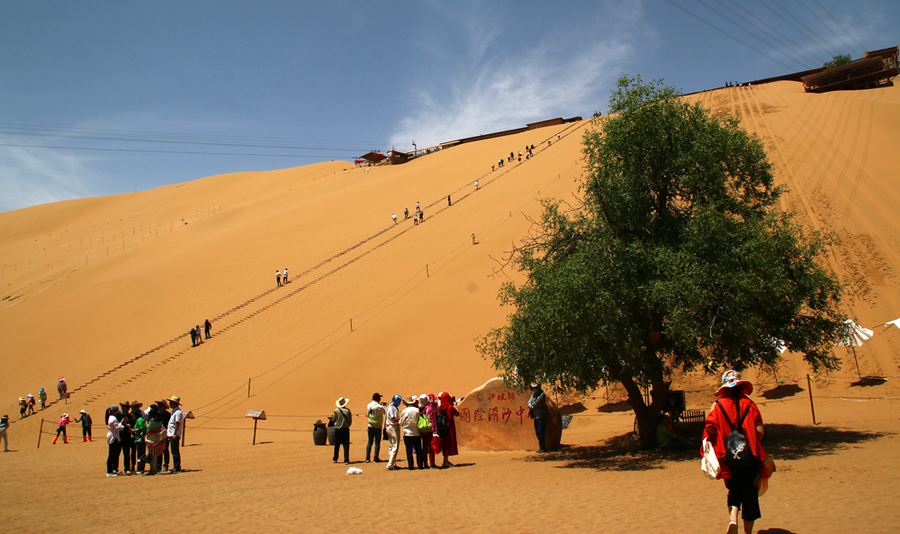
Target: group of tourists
{"points": [[144, 438], [529, 153], [418, 216], [27, 403], [427, 425], [197, 337]]}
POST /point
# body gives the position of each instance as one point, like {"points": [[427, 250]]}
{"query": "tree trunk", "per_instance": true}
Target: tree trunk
{"points": [[646, 415]]}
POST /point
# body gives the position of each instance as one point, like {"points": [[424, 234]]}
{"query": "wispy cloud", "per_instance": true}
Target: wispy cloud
{"points": [[498, 89], [30, 176], [99, 164]]}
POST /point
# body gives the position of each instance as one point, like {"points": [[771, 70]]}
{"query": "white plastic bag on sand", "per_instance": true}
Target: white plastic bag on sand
{"points": [[709, 464], [354, 471]]}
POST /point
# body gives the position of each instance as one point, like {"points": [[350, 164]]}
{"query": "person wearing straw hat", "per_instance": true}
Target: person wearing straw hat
{"points": [[174, 431], [23, 407], [86, 423], [412, 438], [734, 427], [342, 419]]}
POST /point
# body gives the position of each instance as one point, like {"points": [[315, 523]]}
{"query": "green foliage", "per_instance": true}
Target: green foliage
{"points": [[837, 61], [677, 258]]}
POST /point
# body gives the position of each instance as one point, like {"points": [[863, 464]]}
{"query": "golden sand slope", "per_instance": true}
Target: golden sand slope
{"points": [[103, 291], [111, 285]]}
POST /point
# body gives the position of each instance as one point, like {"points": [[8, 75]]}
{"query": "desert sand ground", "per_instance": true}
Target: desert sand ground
{"points": [[103, 291]]}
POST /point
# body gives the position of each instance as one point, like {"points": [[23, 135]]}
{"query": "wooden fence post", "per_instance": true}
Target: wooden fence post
{"points": [[812, 407]]}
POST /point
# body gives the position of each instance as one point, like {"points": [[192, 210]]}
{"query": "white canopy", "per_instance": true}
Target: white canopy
{"points": [[856, 336]]}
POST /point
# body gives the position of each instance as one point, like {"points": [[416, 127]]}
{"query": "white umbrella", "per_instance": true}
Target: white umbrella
{"points": [[855, 336], [895, 322]]}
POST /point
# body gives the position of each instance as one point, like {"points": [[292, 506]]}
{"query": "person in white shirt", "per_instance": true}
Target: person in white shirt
{"points": [[113, 427], [174, 432], [392, 428], [412, 438], [375, 411]]}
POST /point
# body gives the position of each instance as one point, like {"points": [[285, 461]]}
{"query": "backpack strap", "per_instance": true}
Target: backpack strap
{"points": [[741, 416], [722, 409]]}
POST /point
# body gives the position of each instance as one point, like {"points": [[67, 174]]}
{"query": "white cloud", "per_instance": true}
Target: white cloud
{"points": [[553, 75], [31, 176]]}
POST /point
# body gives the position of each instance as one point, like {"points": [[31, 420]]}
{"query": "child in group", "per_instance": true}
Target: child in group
{"points": [[61, 428]]}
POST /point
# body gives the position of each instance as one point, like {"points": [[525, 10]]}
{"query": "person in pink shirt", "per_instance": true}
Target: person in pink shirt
{"points": [[61, 428], [428, 406]]}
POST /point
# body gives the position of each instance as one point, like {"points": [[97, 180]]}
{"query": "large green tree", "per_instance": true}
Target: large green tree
{"points": [[676, 258]]}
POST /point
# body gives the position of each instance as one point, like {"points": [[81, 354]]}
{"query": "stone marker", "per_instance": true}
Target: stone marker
{"points": [[493, 418]]}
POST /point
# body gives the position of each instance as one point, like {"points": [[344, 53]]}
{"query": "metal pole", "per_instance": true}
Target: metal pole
{"points": [[248, 387], [41, 431], [857, 362], [351, 324], [254, 430], [812, 406], [183, 431]]}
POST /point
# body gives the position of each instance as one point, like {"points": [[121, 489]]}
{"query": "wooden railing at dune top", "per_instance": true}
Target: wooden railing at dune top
{"points": [[876, 69]]}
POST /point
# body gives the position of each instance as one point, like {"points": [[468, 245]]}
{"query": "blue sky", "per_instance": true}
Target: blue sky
{"points": [[101, 98]]}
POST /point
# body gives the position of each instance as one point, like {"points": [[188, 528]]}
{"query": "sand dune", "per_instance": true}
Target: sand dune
{"points": [[103, 291]]}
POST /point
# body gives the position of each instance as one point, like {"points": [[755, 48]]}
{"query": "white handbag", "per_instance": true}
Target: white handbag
{"points": [[709, 464]]}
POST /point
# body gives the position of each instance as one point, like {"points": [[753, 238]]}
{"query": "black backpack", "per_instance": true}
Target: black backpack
{"points": [[737, 450], [443, 426]]}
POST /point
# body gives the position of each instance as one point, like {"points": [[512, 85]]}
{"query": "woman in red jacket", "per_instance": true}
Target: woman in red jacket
{"points": [[448, 411], [733, 411]]}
